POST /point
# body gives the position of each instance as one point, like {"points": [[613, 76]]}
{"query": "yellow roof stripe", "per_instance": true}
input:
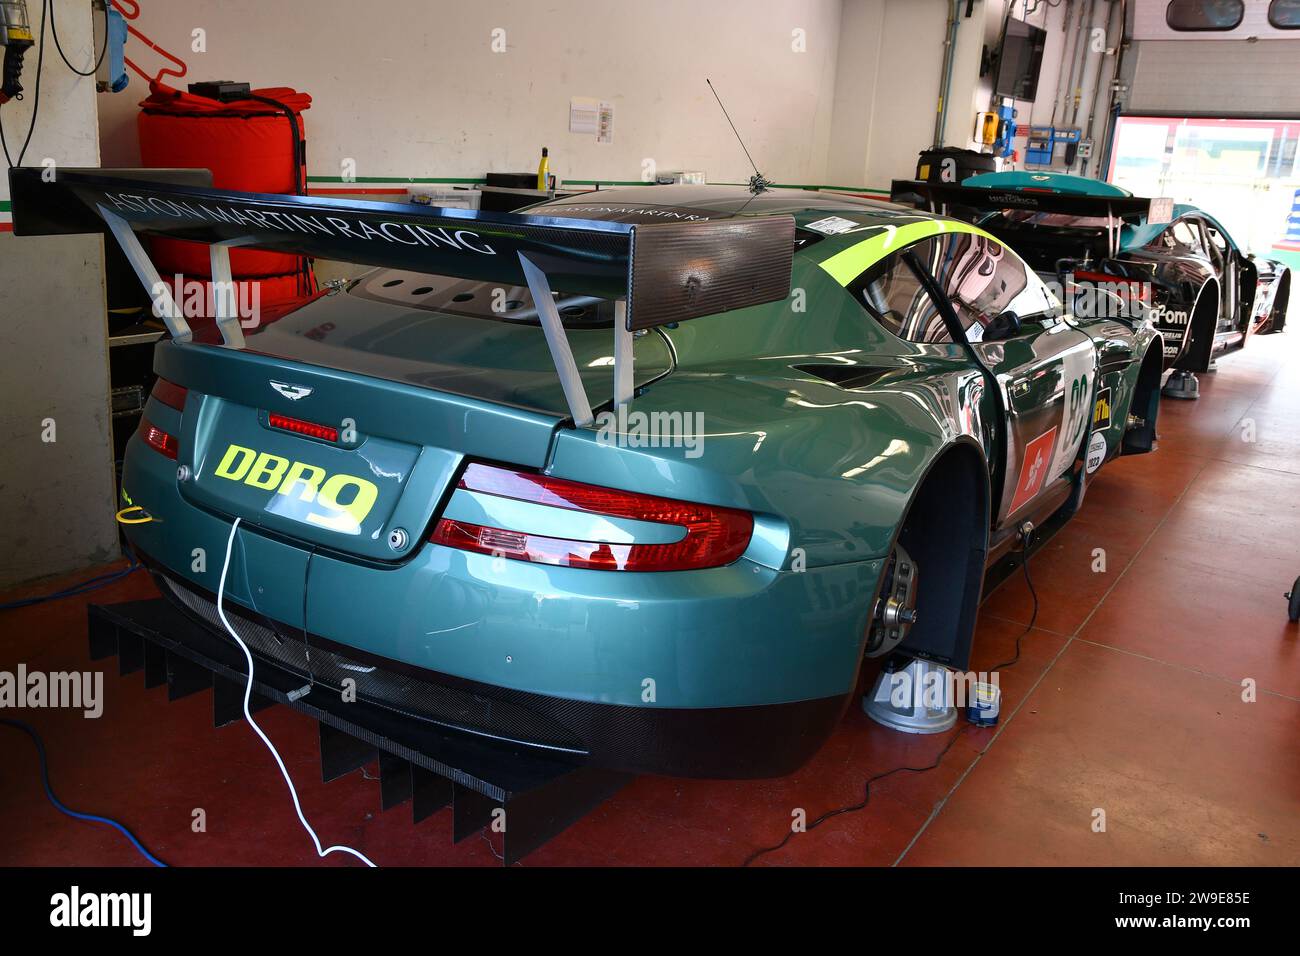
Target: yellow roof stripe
{"points": [[847, 264]]}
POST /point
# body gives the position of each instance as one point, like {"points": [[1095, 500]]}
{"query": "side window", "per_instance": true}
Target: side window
{"points": [[1216, 244], [1183, 238], [1198, 15], [984, 279], [1217, 239], [893, 295], [1284, 14]]}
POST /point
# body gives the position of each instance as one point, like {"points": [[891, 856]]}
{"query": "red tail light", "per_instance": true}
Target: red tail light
{"points": [[300, 427], [170, 394], [713, 536], [158, 440]]}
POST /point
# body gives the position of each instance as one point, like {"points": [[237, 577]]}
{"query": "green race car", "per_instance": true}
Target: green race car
{"points": [[638, 476]]}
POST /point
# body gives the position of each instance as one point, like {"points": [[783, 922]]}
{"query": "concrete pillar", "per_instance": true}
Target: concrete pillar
{"points": [[56, 497]]}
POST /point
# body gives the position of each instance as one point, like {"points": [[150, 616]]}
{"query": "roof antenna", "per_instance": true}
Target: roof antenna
{"points": [[758, 182]]}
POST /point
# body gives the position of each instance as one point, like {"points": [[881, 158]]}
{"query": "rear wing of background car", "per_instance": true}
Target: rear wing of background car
{"points": [[973, 202], [656, 273]]}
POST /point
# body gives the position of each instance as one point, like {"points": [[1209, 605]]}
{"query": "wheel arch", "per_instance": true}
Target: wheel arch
{"points": [[1144, 403], [1200, 345], [949, 541]]}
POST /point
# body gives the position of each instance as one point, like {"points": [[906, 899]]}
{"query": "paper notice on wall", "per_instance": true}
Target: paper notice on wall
{"points": [[584, 115], [590, 116], [605, 125]]}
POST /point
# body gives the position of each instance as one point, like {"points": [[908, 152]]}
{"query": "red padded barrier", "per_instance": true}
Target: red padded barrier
{"points": [[248, 147]]}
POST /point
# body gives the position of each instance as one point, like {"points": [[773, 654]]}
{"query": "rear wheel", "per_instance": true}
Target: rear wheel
{"points": [[1293, 607]]}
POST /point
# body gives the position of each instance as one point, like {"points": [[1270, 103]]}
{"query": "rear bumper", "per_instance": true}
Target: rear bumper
{"points": [[733, 672], [725, 742]]}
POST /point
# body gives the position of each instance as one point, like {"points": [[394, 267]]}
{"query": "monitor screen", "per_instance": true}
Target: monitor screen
{"points": [[1019, 60]]}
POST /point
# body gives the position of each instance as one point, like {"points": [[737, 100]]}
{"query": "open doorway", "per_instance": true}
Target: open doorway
{"points": [[1241, 171]]}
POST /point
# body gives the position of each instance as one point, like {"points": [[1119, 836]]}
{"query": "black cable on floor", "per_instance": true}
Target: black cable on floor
{"points": [[866, 788], [1024, 554], [866, 798], [299, 146]]}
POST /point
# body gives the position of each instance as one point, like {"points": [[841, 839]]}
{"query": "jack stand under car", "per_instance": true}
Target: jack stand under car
{"points": [[1182, 385], [913, 696]]}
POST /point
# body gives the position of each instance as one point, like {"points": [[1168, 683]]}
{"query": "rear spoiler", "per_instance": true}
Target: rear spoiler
{"points": [[986, 200], [656, 273], [961, 201]]}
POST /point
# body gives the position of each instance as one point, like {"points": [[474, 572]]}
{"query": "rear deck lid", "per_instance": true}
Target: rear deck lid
{"points": [[354, 464], [476, 339]]}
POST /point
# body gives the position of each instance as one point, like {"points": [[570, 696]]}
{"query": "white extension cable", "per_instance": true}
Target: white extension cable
{"points": [[248, 714]]}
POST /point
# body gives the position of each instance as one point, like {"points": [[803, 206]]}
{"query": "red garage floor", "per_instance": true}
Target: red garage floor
{"points": [[1127, 700]]}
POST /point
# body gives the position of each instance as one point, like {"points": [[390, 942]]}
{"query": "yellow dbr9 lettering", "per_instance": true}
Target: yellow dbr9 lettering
{"points": [[284, 477]]}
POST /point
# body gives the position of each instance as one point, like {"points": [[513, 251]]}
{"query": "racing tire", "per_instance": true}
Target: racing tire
{"points": [[1293, 607]]}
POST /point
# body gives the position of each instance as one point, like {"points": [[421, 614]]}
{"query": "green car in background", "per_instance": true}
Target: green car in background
{"points": [[639, 476]]}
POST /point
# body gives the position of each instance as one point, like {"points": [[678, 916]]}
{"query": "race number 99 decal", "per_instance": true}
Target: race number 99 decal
{"points": [[1076, 410]]}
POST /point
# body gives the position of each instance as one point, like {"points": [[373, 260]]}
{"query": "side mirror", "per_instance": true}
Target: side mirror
{"points": [[1004, 326]]}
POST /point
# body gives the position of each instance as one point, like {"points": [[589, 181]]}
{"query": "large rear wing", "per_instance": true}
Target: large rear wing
{"points": [[985, 199], [656, 273], [969, 202]]}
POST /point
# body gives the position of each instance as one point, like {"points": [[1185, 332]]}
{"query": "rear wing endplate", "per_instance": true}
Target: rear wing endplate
{"points": [[657, 273]]}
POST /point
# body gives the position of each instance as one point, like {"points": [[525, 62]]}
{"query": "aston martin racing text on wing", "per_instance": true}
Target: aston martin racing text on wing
{"points": [[311, 225]]}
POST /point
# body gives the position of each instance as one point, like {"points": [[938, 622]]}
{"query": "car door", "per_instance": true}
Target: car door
{"points": [[1227, 263], [1045, 368]]}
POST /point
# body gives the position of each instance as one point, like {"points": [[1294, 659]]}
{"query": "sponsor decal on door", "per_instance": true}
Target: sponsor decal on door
{"points": [[1033, 469], [1101, 411], [1096, 451]]}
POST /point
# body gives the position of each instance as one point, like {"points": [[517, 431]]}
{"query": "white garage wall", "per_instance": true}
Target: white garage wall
{"points": [[56, 498], [857, 84], [411, 88], [421, 94], [887, 85], [911, 57], [890, 57]]}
